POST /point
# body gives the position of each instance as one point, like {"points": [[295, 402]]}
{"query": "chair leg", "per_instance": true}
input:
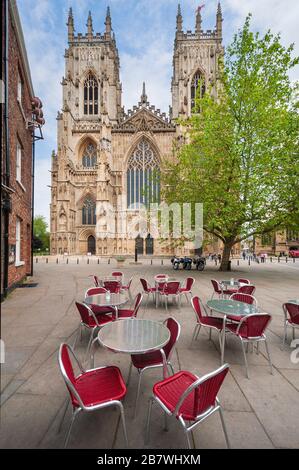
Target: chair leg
{"points": [[284, 335], [138, 392], [269, 357], [222, 346], [122, 414], [188, 439], [257, 347], [150, 404], [70, 427], [293, 333], [90, 343], [198, 331], [79, 332], [245, 359], [224, 428], [66, 405], [210, 334], [171, 367]]}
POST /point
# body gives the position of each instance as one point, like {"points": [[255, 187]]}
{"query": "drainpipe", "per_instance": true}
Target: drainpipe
{"points": [[6, 201], [32, 198]]}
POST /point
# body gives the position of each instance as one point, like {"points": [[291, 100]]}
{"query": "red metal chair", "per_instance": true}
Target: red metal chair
{"points": [[89, 321], [291, 318], [244, 281], [113, 286], [189, 399], [117, 274], [97, 310], [91, 390], [246, 290], [216, 288], [96, 281], [147, 289], [250, 329], [171, 288], [248, 299], [160, 358], [127, 312], [207, 321], [187, 289]]}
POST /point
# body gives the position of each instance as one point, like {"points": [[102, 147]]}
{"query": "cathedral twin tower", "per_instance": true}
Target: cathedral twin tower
{"points": [[106, 158]]}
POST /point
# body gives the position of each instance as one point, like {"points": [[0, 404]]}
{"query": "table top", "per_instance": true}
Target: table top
{"points": [[228, 283], [105, 301], [231, 307], [165, 279], [294, 301], [134, 336]]}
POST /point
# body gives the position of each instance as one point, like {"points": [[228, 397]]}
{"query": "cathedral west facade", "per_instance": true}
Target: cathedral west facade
{"points": [[107, 157]]}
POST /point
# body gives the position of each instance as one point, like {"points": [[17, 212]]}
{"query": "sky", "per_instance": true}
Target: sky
{"points": [[144, 32]]}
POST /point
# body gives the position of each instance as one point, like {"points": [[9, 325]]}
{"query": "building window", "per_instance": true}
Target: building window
{"points": [[91, 95], [19, 163], [197, 81], [89, 158], [292, 235], [267, 239], [20, 88], [18, 242], [89, 212], [143, 185]]}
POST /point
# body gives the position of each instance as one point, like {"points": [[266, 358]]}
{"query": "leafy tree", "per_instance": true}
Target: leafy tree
{"points": [[241, 159], [41, 237]]}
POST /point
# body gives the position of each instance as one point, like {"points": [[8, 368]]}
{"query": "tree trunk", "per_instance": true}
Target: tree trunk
{"points": [[225, 261]]}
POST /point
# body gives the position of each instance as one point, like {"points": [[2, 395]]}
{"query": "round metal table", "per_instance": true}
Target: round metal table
{"points": [[231, 307], [112, 300], [134, 336]]}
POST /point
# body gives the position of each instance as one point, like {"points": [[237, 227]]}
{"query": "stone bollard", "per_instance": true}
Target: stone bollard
{"points": [[56, 260], [286, 259], [278, 259], [87, 260], [77, 260], [151, 261], [238, 263], [293, 260], [67, 261], [248, 261], [162, 262], [108, 260], [271, 259], [47, 260], [36, 260]]}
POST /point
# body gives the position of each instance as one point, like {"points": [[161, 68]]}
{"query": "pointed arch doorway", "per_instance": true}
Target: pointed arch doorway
{"points": [[149, 245], [91, 245]]}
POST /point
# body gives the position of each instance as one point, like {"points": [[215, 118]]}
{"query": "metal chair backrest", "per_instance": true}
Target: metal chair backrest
{"points": [[189, 283], [253, 325], [171, 288], [85, 313], [67, 371], [145, 285], [175, 330], [195, 302], [112, 286], [246, 298], [205, 391], [117, 274], [292, 310], [216, 286], [96, 281], [138, 300], [95, 291], [244, 281], [246, 290]]}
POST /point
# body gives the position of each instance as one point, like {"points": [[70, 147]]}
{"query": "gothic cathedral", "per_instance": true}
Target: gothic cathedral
{"points": [[106, 157]]}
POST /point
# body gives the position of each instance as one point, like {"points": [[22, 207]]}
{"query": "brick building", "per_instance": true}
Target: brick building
{"points": [[18, 135]]}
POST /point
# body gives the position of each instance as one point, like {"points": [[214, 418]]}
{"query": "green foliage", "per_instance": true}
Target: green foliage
{"points": [[41, 237], [241, 160]]}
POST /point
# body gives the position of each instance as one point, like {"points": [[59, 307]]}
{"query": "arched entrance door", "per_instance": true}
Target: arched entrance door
{"points": [[139, 245], [149, 245], [91, 245]]}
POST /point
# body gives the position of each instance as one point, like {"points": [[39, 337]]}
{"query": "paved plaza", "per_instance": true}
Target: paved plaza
{"points": [[262, 412]]}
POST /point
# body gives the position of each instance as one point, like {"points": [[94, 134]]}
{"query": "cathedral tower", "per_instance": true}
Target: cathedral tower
{"points": [[195, 62]]}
